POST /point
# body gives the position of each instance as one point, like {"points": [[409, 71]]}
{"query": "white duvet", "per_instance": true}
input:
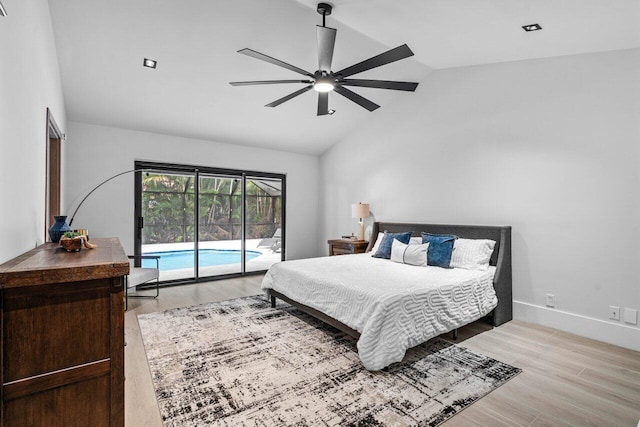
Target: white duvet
{"points": [[393, 306]]}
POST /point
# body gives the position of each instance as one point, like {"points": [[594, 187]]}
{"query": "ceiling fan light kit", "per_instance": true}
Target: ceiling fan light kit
{"points": [[324, 80], [323, 83]]}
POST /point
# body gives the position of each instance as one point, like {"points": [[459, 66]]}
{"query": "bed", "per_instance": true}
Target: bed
{"points": [[390, 307]]}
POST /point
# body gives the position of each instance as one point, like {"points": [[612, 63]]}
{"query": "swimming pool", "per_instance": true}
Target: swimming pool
{"points": [[175, 260]]}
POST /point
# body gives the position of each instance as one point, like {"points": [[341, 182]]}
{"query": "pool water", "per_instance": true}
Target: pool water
{"points": [[174, 260]]}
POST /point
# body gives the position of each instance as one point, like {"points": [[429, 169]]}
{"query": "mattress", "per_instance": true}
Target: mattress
{"points": [[393, 306]]}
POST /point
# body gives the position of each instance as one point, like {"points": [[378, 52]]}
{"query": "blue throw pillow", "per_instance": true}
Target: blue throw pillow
{"points": [[440, 249], [384, 250]]}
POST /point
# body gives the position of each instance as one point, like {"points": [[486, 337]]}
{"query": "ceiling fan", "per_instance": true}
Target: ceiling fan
{"points": [[323, 80]]}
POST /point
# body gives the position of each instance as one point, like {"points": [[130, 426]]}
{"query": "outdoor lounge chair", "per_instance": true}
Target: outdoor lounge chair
{"points": [[271, 242]]}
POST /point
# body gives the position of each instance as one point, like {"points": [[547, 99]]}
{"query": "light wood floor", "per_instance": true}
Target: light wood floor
{"points": [[567, 380]]}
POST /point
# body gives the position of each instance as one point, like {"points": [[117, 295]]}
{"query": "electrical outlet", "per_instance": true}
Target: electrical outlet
{"points": [[550, 300], [631, 316], [614, 312]]}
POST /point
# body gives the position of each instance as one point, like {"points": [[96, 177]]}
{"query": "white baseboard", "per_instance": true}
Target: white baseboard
{"points": [[609, 332]]}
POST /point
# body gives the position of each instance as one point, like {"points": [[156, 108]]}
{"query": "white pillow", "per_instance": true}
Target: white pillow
{"points": [[415, 240], [409, 254], [377, 243], [472, 254]]}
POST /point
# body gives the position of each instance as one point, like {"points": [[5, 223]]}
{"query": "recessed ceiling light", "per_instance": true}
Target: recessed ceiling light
{"points": [[3, 11], [532, 27], [150, 63]]}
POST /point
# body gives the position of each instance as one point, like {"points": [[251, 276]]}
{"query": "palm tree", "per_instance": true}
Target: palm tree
{"points": [[168, 206]]}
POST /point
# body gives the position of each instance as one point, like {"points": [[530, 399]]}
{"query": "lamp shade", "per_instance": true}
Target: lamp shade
{"points": [[360, 210]]}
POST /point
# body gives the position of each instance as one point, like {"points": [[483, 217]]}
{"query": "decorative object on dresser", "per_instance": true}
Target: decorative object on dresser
{"points": [[360, 211], [73, 241], [63, 336], [346, 246], [57, 230], [240, 362]]}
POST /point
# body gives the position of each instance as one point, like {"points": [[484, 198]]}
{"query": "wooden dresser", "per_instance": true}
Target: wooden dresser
{"points": [[347, 246], [62, 328]]}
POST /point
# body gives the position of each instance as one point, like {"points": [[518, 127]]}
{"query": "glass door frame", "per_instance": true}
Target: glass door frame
{"points": [[155, 167]]}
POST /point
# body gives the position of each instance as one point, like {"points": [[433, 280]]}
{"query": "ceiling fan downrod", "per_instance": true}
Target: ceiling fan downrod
{"points": [[324, 9]]}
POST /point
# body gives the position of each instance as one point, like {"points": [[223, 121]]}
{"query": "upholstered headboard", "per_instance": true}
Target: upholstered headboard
{"points": [[501, 257]]}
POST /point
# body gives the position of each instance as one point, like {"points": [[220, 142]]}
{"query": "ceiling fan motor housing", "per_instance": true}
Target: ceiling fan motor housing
{"points": [[324, 9]]}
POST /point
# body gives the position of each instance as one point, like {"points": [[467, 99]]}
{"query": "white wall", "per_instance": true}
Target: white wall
{"points": [[95, 153], [29, 83], [550, 147]]}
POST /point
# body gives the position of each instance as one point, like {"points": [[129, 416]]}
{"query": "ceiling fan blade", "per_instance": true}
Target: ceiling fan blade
{"points": [[267, 82], [288, 97], [361, 101], [274, 61], [326, 42], [393, 55], [380, 84], [323, 103]]}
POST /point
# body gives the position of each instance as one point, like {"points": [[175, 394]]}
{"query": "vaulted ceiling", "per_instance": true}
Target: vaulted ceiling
{"points": [[101, 45]]}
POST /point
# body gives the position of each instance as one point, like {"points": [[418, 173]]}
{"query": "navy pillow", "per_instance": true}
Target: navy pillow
{"points": [[384, 250], [440, 249]]}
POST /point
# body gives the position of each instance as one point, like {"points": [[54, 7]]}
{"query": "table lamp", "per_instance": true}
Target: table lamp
{"points": [[360, 210]]}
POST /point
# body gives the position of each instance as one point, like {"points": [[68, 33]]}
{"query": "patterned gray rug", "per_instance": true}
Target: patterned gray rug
{"points": [[242, 363]]}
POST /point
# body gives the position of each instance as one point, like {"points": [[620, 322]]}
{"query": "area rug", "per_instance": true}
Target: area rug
{"points": [[242, 363]]}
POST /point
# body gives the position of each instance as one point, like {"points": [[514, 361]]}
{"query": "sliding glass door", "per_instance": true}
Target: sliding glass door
{"points": [[238, 229], [264, 216], [166, 223], [220, 228]]}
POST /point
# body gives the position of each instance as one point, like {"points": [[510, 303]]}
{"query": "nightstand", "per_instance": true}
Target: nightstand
{"points": [[347, 246]]}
